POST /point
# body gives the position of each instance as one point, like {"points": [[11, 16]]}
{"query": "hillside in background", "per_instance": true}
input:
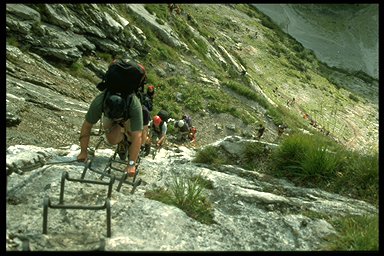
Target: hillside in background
{"points": [[341, 35]]}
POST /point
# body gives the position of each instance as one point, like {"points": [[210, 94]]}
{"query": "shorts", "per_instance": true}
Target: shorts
{"points": [[109, 123]]}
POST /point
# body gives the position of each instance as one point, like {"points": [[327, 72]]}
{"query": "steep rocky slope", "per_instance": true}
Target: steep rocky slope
{"points": [[252, 210]]}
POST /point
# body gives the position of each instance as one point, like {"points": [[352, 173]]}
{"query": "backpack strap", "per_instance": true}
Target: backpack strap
{"points": [[128, 102]]}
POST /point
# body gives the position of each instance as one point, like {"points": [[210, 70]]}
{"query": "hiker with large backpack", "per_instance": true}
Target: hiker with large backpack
{"points": [[158, 128], [147, 99], [120, 109]]}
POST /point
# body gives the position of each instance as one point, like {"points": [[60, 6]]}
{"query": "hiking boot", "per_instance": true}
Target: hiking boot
{"points": [[122, 148], [147, 149]]}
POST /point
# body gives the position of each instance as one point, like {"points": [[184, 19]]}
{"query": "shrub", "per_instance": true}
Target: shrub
{"points": [[13, 41], [105, 56], [306, 159], [358, 177], [254, 154], [208, 155], [186, 193], [188, 196], [316, 161]]}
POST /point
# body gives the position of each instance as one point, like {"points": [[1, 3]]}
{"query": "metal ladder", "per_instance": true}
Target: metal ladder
{"points": [[110, 166], [61, 205]]}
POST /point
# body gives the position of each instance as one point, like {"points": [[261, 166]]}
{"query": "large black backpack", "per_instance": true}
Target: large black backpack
{"points": [[124, 77], [164, 115]]}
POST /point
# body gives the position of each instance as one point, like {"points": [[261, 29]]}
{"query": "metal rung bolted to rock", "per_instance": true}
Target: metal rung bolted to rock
{"points": [[110, 166], [61, 205]]}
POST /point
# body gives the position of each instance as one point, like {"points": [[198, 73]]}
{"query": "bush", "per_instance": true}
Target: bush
{"points": [[186, 193], [316, 161], [306, 159], [254, 154], [188, 196], [208, 155], [358, 177]]}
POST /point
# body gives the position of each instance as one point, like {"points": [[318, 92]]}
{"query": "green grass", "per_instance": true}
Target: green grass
{"points": [[161, 10], [253, 157], [187, 193], [355, 233], [316, 161], [13, 41], [210, 155], [309, 161]]}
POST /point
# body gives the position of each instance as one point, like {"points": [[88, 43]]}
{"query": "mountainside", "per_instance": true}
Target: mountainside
{"points": [[226, 65], [343, 35]]}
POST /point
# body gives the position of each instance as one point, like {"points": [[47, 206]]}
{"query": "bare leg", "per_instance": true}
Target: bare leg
{"points": [[114, 133]]}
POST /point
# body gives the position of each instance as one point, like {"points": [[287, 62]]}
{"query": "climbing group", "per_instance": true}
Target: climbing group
{"points": [[124, 107]]}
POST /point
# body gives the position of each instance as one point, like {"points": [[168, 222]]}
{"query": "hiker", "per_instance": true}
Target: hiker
{"points": [[280, 130], [174, 7], [192, 134], [182, 128], [150, 92], [313, 122], [147, 99], [260, 131], [292, 101], [116, 127], [120, 111], [158, 130], [187, 119]]}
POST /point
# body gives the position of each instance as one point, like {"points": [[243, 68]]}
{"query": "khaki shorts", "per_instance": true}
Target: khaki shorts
{"points": [[108, 124]]}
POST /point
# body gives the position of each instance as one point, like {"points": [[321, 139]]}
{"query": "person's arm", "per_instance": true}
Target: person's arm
{"points": [[84, 141], [160, 141], [163, 134], [136, 129], [134, 149]]}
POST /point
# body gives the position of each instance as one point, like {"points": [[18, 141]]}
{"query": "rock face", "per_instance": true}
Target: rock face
{"points": [[344, 36], [251, 210]]}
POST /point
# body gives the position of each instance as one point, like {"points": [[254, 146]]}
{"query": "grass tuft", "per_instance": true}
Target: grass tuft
{"points": [[187, 193]]}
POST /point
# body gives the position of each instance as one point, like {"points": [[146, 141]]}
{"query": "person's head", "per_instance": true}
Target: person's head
{"points": [[180, 123], [157, 120], [114, 107], [151, 90]]}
